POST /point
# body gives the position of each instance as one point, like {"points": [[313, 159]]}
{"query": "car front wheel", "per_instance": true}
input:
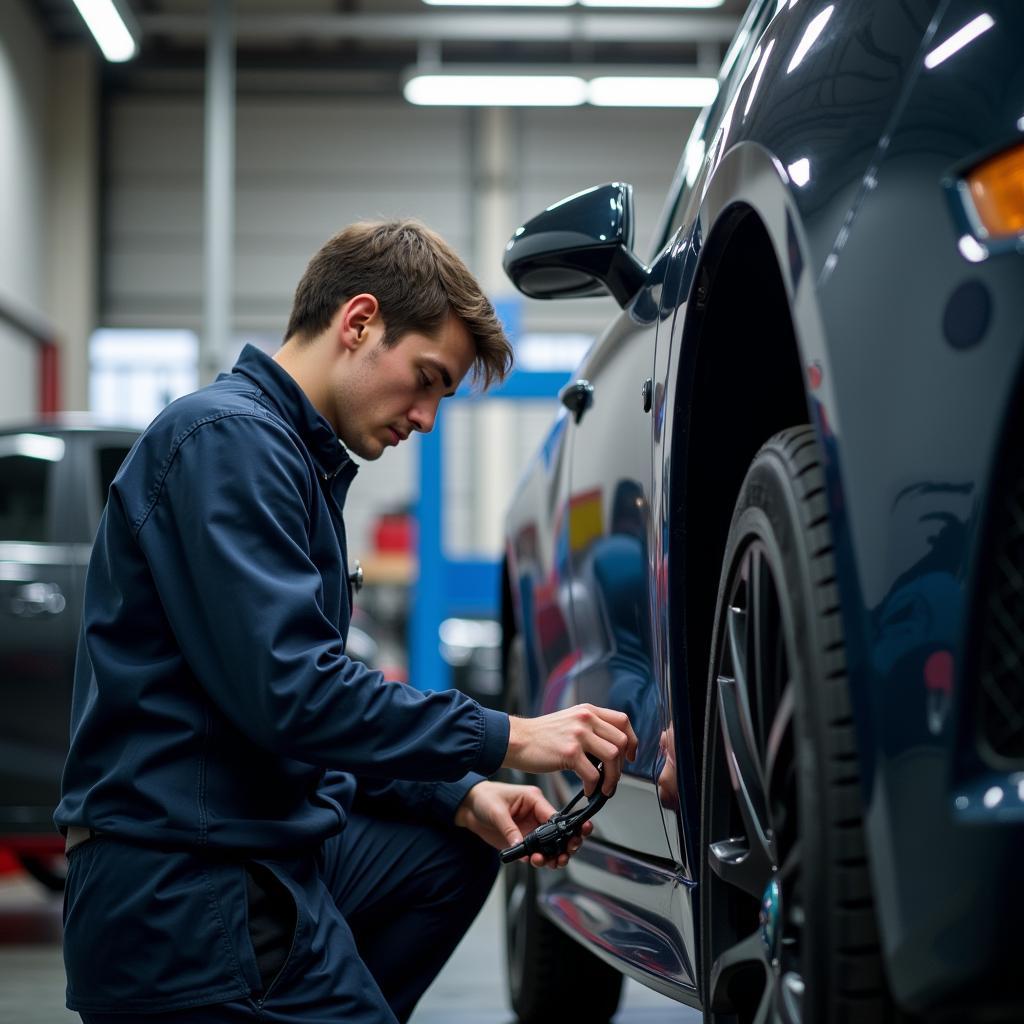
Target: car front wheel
{"points": [[789, 930]]}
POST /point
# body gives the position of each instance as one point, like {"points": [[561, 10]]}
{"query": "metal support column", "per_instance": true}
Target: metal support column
{"points": [[219, 190]]}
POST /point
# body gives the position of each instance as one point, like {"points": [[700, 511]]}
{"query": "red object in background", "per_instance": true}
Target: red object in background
{"points": [[49, 378], [8, 865], [393, 533], [41, 847]]}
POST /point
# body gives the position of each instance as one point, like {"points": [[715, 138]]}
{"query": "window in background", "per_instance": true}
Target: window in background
{"points": [[26, 462], [133, 374]]}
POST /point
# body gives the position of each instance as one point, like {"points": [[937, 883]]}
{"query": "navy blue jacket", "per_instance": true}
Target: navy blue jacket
{"points": [[214, 705], [216, 718]]}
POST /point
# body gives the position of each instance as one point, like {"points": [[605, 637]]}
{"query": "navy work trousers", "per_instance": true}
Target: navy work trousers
{"points": [[394, 901]]}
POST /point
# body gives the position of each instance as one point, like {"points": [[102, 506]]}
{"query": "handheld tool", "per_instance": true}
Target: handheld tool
{"points": [[552, 838]]}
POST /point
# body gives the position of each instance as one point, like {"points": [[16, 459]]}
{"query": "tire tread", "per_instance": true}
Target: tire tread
{"points": [[855, 989]]}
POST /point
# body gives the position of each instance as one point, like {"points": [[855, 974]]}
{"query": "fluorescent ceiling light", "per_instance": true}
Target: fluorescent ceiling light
{"points": [[108, 29], [958, 40], [652, 92], [496, 90], [652, 3], [626, 4], [500, 3], [814, 29]]}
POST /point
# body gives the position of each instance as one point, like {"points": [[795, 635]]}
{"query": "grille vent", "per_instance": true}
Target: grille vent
{"points": [[1001, 696]]}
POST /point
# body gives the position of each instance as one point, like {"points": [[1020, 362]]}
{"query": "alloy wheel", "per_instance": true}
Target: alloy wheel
{"points": [[753, 848]]}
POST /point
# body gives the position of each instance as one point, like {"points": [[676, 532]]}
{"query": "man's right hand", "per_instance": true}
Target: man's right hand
{"points": [[562, 740]]}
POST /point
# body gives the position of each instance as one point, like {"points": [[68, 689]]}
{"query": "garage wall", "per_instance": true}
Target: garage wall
{"points": [[23, 97], [306, 166]]}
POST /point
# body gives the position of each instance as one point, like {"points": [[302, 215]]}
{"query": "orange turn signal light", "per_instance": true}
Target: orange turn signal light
{"points": [[997, 193]]}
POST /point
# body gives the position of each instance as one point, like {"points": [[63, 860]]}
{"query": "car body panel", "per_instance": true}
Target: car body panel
{"points": [[830, 129], [656, 951], [907, 598], [609, 566]]}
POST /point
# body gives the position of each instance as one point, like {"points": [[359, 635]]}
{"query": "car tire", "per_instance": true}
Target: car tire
{"points": [[788, 923], [549, 975]]}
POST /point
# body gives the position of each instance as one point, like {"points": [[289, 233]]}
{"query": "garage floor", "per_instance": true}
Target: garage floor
{"points": [[470, 990]]}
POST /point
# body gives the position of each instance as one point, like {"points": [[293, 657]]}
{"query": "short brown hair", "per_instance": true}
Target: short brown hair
{"points": [[417, 279]]}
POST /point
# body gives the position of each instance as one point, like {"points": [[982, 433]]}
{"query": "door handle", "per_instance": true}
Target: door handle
{"points": [[37, 599], [577, 396]]}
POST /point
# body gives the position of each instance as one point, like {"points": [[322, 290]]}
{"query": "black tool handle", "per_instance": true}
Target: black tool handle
{"points": [[552, 838]]}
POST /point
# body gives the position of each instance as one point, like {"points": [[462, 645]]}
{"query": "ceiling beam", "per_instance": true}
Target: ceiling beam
{"points": [[628, 27]]}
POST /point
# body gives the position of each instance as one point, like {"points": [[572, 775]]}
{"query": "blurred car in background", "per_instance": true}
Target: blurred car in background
{"points": [[54, 478], [779, 520]]}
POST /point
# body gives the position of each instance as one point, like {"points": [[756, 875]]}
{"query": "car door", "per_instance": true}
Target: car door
{"points": [[41, 566], [609, 530]]}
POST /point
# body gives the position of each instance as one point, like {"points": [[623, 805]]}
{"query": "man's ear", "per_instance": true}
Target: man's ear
{"points": [[356, 320]]}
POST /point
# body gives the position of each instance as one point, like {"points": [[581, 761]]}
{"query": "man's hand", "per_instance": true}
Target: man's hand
{"points": [[562, 740], [501, 814]]}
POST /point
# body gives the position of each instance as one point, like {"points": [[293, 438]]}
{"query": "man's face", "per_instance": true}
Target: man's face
{"points": [[383, 394]]}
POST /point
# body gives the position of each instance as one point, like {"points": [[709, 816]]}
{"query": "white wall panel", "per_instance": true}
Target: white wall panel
{"points": [[23, 96], [305, 169], [19, 367], [23, 99]]}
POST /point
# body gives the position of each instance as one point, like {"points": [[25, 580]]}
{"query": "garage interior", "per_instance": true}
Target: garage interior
{"points": [[158, 211]]}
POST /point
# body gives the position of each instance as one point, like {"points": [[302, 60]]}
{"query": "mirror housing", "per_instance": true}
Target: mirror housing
{"points": [[578, 247]]}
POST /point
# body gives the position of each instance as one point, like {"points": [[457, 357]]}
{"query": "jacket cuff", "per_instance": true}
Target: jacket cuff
{"points": [[447, 796], [494, 745]]}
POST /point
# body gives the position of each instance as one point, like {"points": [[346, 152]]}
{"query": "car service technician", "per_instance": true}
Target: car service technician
{"points": [[259, 828]]}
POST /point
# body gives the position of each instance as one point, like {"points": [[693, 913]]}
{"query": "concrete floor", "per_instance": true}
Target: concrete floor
{"points": [[470, 990]]}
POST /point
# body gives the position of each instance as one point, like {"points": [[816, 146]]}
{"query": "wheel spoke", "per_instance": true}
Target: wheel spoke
{"points": [[730, 860], [789, 998], [781, 725], [736, 622], [763, 608], [747, 782], [746, 955], [755, 609], [754, 830], [764, 1008]]}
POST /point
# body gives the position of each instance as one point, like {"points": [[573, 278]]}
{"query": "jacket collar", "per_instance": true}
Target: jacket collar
{"points": [[291, 402]]}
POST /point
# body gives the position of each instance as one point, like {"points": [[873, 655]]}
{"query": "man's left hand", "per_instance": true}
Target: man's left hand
{"points": [[501, 814]]}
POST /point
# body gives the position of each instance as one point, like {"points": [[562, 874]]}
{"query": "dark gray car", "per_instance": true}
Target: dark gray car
{"points": [[53, 484]]}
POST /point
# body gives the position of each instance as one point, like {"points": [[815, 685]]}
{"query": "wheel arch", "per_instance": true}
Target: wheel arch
{"points": [[748, 317]]}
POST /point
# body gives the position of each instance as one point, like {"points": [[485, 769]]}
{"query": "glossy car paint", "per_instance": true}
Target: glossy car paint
{"points": [[832, 132]]}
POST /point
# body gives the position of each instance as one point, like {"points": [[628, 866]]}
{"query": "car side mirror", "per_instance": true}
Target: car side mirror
{"points": [[581, 246]]}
